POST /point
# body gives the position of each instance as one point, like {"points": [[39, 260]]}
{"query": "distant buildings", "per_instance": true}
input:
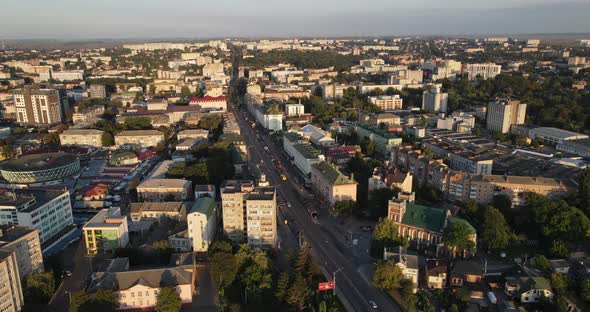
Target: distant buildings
{"points": [[88, 115], [502, 114], [331, 184], [142, 138], [202, 221], [393, 179], [82, 137], [38, 107], [434, 100], [303, 155], [24, 241], [387, 102], [317, 136], [106, 231], [160, 190], [484, 70], [11, 293]]}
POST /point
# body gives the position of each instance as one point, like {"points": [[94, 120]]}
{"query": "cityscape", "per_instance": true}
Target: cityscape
{"points": [[296, 166]]}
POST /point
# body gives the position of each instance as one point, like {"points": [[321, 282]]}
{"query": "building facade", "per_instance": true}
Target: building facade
{"points": [[142, 138], [11, 293], [159, 190], [331, 184], [82, 137], [202, 222], [502, 114], [38, 107], [24, 241], [106, 232], [485, 70], [434, 100], [387, 102]]}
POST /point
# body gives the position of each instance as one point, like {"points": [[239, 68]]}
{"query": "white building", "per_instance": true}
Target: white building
{"points": [[387, 102], [434, 100], [294, 109], [554, 136], [317, 136], [202, 221], [82, 137], [48, 211], [502, 114], [485, 70]]}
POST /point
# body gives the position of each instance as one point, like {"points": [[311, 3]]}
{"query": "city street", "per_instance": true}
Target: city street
{"points": [[330, 252]]}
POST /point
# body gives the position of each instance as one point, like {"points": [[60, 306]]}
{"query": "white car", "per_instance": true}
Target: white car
{"points": [[373, 304], [289, 205]]}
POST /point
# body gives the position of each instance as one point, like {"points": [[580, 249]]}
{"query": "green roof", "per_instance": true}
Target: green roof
{"points": [[307, 151], [293, 136], [205, 205], [456, 219], [430, 218], [331, 174]]}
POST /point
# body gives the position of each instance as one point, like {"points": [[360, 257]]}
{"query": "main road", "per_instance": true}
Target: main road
{"points": [[352, 287]]}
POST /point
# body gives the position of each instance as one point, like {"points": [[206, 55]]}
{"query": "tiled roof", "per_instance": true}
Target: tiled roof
{"points": [[156, 278], [207, 99]]}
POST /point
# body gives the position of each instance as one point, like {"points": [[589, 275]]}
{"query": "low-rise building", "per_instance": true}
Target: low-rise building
{"points": [[331, 184], [384, 141], [164, 190], [209, 103], [436, 273], [407, 262], [106, 232], [193, 133], [180, 242], [580, 147], [202, 223], [317, 136], [158, 210], [387, 102], [142, 138], [24, 241], [554, 136], [82, 137], [87, 115], [202, 190], [390, 178]]}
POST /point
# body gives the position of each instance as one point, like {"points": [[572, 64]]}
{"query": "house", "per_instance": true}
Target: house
{"points": [[96, 192], [528, 289], [317, 136], [408, 263], [436, 273], [180, 242], [204, 190], [466, 271], [331, 184], [157, 210], [390, 178], [559, 266]]}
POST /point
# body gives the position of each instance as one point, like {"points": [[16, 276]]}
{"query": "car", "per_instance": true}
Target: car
{"points": [[373, 304], [289, 205], [66, 273]]}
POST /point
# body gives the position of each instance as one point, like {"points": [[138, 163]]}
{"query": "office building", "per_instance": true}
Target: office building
{"points": [[82, 137], [331, 184], [554, 136], [434, 100], [11, 293], [24, 241], [37, 107], [504, 113], [387, 102], [202, 221], [48, 211], [106, 232], [484, 70]]}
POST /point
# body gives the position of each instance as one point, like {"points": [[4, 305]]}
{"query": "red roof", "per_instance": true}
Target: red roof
{"points": [[207, 99]]}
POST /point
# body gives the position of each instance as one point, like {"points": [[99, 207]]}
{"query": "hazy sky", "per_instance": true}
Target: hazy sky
{"points": [[78, 19]]}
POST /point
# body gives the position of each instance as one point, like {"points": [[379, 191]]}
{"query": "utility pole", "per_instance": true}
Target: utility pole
{"points": [[334, 280]]}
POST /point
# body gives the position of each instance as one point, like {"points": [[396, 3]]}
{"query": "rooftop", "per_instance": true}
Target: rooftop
{"points": [[262, 193], [332, 175], [33, 198], [164, 183], [424, 217], [106, 218], [34, 162], [307, 151], [83, 132], [13, 233], [204, 205], [154, 278], [549, 182], [138, 132], [378, 131], [156, 206]]}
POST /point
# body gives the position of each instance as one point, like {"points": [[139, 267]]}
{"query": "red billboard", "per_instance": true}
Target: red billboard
{"points": [[325, 286]]}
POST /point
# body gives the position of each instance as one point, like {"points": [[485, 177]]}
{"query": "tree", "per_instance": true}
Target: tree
{"points": [[79, 300], [585, 289], [584, 191], [168, 300], [540, 262], [282, 286], [138, 123], [344, 207], [105, 300], [454, 308], [379, 201], [559, 282], [107, 139], [502, 202], [185, 92], [387, 276], [223, 263], [423, 302], [39, 288], [298, 293], [456, 237], [385, 235], [495, 231]]}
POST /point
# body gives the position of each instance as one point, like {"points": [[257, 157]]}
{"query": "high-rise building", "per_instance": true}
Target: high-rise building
{"points": [[38, 107], [485, 70], [504, 113], [249, 213], [25, 242], [434, 100], [97, 91], [11, 292]]}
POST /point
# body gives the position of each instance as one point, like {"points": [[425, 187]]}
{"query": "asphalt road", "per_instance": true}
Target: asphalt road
{"points": [[329, 252]]}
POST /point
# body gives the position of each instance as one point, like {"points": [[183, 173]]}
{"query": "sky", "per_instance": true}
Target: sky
{"points": [[126, 19]]}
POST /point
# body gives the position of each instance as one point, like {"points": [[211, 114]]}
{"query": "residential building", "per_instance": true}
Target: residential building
{"points": [[159, 190], [233, 200], [38, 107], [24, 241], [294, 109], [484, 70], [331, 184], [180, 242], [82, 137], [87, 115], [333, 91], [407, 262], [193, 133], [97, 91], [142, 138], [261, 217], [303, 156], [502, 114], [458, 121], [462, 156], [529, 289], [387, 102], [106, 232], [202, 223], [466, 272], [11, 293], [268, 116], [390, 178], [209, 103], [384, 141], [436, 273], [48, 211], [158, 210], [435, 100]]}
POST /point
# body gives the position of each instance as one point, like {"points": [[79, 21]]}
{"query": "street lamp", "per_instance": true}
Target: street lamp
{"points": [[334, 280]]}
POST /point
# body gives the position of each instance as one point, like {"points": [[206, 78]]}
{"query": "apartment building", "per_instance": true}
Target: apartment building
{"points": [[294, 109], [387, 102], [97, 91], [435, 100], [47, 211], [38, 107], [390, 178], [11, 293], [233, 198], [202, 223], [317, 136], [458, 121], [81, 137], [193, 133], [331, 184], [333, 91], [142, 138], [106, 231], [484, 70], [159, 190], [384, 141], [502, 114], [24, 241], [269, 117], [87, 115]]}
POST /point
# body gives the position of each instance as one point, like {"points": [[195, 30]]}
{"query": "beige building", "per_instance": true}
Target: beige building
{"points": [[157, 210], [88, 115], [233, 200], [484, 70], [143, 138], [159, 190], [39, 107], [504, 113], [11, 293], [202, 221], [82, 137], [387, 102], [25, 242], [331, 184], [434, 100]]}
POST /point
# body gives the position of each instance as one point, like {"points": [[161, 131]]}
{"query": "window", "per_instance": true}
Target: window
{"points": [[133, 295]]}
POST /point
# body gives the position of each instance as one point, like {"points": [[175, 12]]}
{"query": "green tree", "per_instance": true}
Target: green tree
{"points": [[344, 207], [299, 293], [540, 262], [584, 191], [138, 123], [495, 231], [385, 235], [559, 282], [379, 201], [39, 288], [282, 286], [456, 237], [454, 308], [387, 276], [223, 263], [185, 92], [585, 289], [107, 139], [168, 300], [423, 302], [105, 300], [79, 300]]}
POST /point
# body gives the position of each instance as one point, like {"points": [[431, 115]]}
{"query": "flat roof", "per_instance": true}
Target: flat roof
{"points": [[41, 197], [12, 233], [36, 162], [156, 206], [157, 183], [138, 132], [307, 151]]}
